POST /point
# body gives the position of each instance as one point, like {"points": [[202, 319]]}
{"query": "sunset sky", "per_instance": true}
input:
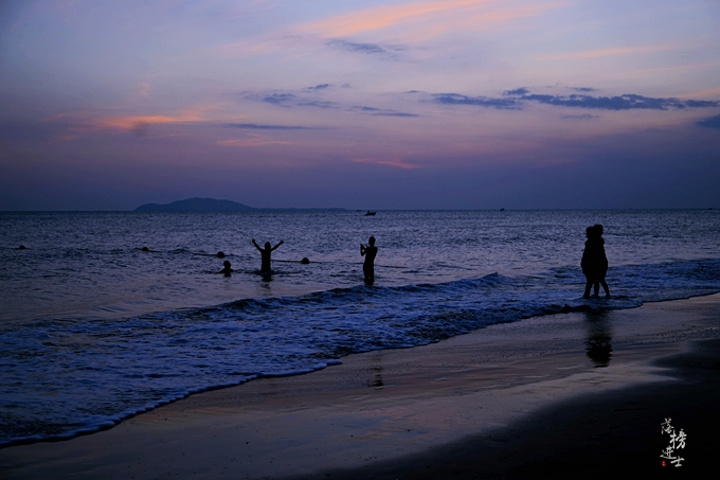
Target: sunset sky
{"points": [[431, 104]]}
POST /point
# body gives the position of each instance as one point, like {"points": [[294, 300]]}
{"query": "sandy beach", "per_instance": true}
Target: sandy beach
{"points": [[579, 395]]}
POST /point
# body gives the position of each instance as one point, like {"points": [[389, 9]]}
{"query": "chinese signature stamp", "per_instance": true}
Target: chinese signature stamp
{"points": [[677, 442]]}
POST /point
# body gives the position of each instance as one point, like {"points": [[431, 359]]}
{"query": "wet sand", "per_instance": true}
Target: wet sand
{"points": [[562, 396]]}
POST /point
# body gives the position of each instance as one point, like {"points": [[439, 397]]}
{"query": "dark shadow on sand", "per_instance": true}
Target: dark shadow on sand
{"points": [[596, 436]]}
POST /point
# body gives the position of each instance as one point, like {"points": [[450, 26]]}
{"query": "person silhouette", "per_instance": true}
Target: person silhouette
{"points": [[369, 252], [227, 268], [594, 262], [265, 256]]}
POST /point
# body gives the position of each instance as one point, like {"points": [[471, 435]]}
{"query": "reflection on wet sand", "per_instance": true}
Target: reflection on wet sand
{"points": [[598, 345]]}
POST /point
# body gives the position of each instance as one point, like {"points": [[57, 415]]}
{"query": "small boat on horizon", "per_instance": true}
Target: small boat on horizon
{"points": [[370, 214]]}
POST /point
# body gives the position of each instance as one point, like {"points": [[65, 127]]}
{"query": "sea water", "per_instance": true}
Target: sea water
{"points": [[104, 315]]}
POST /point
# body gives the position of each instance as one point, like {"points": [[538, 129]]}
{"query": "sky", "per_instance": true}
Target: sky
{"points": [[429, 104]]}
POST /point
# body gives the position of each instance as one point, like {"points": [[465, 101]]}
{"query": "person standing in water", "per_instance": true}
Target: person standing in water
{"points": [[369, 252], [265, 256], [594, 262]]}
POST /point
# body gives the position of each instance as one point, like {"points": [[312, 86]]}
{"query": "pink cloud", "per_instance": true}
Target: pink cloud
{"points": [[395, 163], [607, 52], [435, 17], [252, 141], [79, 124]]}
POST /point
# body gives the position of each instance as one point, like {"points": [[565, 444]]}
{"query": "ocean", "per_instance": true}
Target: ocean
{"points": [[104, 315]]}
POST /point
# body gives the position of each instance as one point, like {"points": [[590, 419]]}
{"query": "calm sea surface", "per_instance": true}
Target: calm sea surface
{"points": [[93, 328]]}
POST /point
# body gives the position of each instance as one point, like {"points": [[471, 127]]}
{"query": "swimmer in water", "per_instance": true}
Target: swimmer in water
{"points": [[265, 256], [227, 268]]}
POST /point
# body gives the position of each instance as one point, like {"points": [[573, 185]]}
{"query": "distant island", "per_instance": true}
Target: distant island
{"points": [[196, 205]]}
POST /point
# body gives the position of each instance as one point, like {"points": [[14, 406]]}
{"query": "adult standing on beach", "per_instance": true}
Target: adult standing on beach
{"points": [[594, 262], [369, 252], [265, 256]]}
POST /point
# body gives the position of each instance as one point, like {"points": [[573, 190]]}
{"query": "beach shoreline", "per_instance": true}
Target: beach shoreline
{"points": [[556, 394]]}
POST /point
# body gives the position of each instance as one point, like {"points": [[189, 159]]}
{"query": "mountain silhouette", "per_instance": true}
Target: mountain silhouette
{"points": [[196, 205]]}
